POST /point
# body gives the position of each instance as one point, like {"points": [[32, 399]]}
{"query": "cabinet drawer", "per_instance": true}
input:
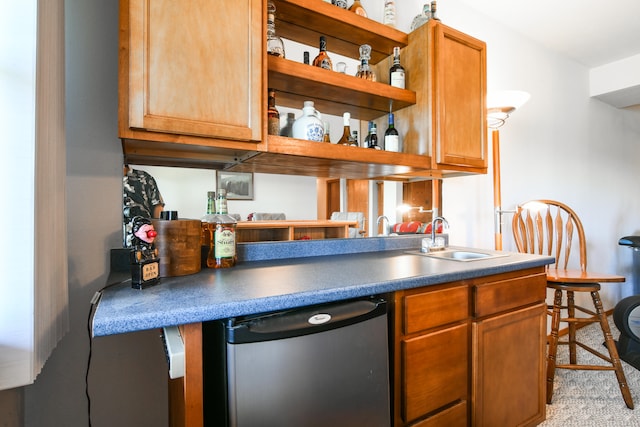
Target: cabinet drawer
{"points": [[435, 308], [435, 369], [455, 416], [502, 295]]}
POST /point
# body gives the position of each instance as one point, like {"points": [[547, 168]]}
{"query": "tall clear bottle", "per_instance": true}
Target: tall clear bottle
{"points": [[397, 72], [389, 16], [365, 71], [323, 60], [273, 116], [275, 45], [346, 138], [422, 18], [391, 136]]}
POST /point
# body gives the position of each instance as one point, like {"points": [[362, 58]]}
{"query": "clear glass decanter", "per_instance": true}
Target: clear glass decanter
{"points": [[275, 45], [365, 71], [422, 18]]}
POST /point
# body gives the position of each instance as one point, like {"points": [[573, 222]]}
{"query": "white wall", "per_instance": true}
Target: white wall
{"points": [[561, 144], [185, 190]]}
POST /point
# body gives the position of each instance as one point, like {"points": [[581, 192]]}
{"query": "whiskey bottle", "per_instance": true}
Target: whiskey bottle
{"points": [[323, 60], [396, 72], [422, 18], [391, 136], [365, 71], [346, 138], [221, 202], [357, 8], [373, 138], [273, 116], [275, 45]]}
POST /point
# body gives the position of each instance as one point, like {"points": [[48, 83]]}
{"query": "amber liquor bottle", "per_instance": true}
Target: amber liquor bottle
{"points": [[357, 8], [273, 116], [346, 138], [323, 60]]}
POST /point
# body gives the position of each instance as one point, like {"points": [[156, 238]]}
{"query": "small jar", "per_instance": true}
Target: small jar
{"points": [[222, 241], [309, 126]]}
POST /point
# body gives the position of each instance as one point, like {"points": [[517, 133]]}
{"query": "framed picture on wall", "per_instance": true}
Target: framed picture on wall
{"points": [[239, 185]]}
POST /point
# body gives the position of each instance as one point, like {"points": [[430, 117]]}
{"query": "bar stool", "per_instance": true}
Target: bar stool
{"points": [[537, 231]]}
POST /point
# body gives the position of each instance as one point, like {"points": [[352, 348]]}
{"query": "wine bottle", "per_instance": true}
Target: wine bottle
{"points": [[275, 45], [396, 72], [391, 136], [346, 138], [373, 138], [357, 8], [273, 116], [323, 60]]}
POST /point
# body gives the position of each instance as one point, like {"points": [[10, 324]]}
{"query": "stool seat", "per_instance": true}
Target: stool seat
{"points": [[536, 230]]}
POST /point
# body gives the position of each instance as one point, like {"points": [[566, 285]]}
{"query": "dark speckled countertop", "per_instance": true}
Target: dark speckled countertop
{"points": [[273, 276]]}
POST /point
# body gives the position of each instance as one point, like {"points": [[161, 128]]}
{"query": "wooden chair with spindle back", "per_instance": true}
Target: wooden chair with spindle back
{"points": [[548, 227]]}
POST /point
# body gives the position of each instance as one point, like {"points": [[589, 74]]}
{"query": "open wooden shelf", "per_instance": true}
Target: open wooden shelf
{"points": [[304, 21], [332, 92]]}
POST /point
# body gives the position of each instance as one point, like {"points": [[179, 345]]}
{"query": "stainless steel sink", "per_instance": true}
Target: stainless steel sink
{"points": [[460, 254]]}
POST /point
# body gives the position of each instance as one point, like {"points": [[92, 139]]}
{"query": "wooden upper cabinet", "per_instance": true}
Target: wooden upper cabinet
{"points": [[447, 70], [193, 68]]}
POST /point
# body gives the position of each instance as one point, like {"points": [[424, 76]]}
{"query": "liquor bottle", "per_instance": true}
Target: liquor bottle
{"points": [[396, 72], [356, 142], [221, 202], [422, 18], [206, 219], [327, 133], [433, 11], [275, 45], [309, 126], [373, 138], [389, 16], [273, 116], [342, 4], [323, 60], [391, 136], [305, 57], [357, 8], [346, 138], [368, 137], [287, 129], [365, 71]]}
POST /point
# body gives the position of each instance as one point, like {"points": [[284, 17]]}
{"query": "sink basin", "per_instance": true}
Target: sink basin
{"points": [[460, 254]]}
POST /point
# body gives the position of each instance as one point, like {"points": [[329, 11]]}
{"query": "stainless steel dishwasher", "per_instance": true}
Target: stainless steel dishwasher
{"points": [[323, 366]]}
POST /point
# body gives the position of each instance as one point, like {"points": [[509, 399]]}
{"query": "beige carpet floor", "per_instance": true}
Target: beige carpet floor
{"points": [[592, 398]]}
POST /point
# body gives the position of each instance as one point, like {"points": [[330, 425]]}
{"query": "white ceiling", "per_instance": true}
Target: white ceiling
{"points": [[592, 32]]}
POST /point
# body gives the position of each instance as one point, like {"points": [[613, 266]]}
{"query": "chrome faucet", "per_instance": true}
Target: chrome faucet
{"points": [[445, 224], [385, 230]]}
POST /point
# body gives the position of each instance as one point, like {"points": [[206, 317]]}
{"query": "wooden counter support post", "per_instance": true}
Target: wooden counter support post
{"points": [[186, 403]]}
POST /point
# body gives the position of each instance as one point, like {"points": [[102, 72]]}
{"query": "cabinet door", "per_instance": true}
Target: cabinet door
{"points": [[195, 68], [459, 89], [434, 371], [508, 368]]}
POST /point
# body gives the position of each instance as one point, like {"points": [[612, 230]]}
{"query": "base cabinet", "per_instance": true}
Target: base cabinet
{"points": [[471, 353]]}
